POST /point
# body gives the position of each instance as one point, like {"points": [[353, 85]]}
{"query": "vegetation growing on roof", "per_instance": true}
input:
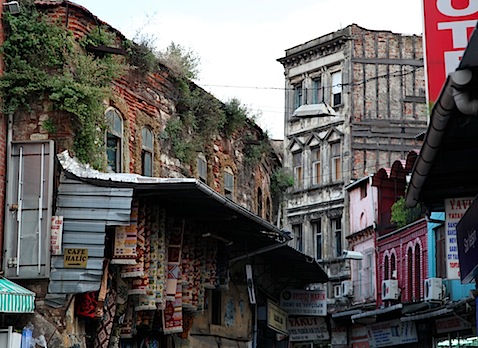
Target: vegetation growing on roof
{"points": [[402, 215], [281, 180], [44, 62]]}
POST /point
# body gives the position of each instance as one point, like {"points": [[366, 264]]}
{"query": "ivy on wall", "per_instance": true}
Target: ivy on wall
{"points": [[44, 62]]}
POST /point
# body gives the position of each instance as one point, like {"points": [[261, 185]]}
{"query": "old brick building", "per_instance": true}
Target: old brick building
{"points": [[136, 201], [355, 102]]}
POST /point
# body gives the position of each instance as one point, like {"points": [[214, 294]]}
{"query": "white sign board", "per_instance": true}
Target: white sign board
{"points": [[455, 208], [307, 329], [303, 302], [56, 234], [391, 333]]}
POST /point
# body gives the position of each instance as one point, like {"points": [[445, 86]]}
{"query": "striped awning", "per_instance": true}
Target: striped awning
{"points": [[14, 298]]}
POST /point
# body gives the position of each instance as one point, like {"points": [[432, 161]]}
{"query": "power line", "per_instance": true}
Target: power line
{"points": [[397, 73]]}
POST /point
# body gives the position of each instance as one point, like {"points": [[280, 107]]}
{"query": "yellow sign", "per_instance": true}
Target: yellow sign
{"points": [[75, 258], [276, 318]]}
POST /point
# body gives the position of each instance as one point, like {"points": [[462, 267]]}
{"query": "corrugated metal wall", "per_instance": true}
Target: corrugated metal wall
{"points": [[86, 211]]}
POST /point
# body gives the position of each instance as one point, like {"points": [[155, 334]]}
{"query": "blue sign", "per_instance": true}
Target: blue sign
{"points": [[468, 244]]}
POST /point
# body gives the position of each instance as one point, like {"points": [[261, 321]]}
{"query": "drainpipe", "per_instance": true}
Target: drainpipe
{"points": [[8, 152]]}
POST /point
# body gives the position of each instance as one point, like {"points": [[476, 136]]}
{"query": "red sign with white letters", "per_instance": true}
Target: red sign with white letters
{"points": [[448, 27]]}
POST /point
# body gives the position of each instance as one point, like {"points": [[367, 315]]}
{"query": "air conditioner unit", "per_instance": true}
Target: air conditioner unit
{"points": [[337, 291], [433, 289], [347, 288], [390, 290]]}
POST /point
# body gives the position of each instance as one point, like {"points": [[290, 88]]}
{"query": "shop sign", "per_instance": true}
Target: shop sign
{"points": [[75, 258], [451, 324], [339, 335], [466, 232], [455, 208], [303, 302], [448, 27], [276, 318], [307, 329], [391, 333], [56, 234]]}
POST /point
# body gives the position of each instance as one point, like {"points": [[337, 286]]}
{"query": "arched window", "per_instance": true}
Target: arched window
{"points": [[229, 183], [268, 209], [417, 269], [409, 274], [385, 268], [114, 140], [147, 151], [259, 202], [393, 267], [202, 167]]}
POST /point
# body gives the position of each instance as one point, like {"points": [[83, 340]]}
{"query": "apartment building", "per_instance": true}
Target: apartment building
{"points": [[354, 103]]}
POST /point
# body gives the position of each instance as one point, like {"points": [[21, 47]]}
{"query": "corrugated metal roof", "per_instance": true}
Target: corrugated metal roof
{"points": [[187, 196], [86, 211]]}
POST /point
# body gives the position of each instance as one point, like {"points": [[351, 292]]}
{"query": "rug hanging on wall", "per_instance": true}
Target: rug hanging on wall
{"points": [[125, 245], [105, 326]]}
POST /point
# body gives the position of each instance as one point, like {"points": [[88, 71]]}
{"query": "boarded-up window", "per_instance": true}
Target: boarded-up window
{"points": [[297, 163], [29, 201], [336, 157]]}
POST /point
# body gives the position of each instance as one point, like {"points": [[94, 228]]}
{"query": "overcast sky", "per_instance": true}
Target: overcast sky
{"points": [[239, 42]]}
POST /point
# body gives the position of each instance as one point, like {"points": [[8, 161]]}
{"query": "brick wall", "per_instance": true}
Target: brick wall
{"points": [[398, 243], [149, 99], [388, 103]]}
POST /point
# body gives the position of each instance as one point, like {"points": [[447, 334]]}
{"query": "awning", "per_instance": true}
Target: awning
{"points": [[237, 226], [374, 313], [320, 109], [293, 263], [437, 313], [14, 298]]}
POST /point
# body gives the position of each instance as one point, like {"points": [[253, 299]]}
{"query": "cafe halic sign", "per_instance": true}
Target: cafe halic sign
{"points": [[448, 27]]}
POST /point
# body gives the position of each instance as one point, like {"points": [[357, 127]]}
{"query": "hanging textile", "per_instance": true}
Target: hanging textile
{"points": [[86, 304], [126, 323], [174, 261], [173, 313], [125, 242], [147, 300], [187, 265], [137, 270], [105, 326], [162, 262]]}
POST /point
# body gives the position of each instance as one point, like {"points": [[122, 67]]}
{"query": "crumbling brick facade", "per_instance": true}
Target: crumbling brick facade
{"points": [[354, 103]]}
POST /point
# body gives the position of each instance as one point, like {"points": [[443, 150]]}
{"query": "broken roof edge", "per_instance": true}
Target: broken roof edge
{"points": [[85, 172]]}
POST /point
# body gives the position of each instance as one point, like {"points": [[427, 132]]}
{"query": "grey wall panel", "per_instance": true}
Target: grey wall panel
{"points": [[86, 211]]}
